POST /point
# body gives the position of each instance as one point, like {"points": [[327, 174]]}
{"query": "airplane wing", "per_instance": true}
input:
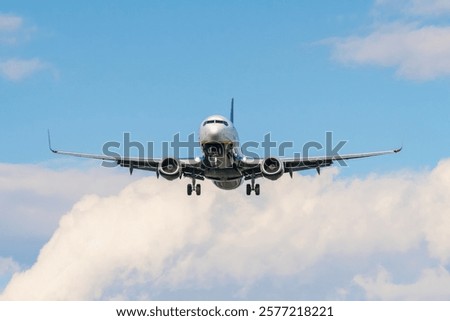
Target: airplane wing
{"points": [[189, 167], [252, 168]]}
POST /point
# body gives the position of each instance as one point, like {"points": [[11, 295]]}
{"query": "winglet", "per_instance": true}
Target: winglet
{"points": [[398, 150], [232, 110], [50, 142]]}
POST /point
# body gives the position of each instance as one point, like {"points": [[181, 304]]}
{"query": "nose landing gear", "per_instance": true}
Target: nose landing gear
{"points": [[256, 188]]}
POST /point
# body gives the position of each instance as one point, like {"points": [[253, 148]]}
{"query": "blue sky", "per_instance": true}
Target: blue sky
{"points": [[375, 73], [157, 68]]}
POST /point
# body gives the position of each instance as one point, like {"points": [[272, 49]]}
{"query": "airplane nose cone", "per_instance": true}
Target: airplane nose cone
{"points": [[213, 133], [214, 130]]}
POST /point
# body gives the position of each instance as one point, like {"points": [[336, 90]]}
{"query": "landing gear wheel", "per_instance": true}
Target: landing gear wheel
{"points": [[249, 189], [198, 189], [189, 189], [257, 189]]}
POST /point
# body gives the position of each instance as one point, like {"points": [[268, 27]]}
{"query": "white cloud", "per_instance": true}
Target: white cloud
{"points": [[8, 266], [10, 22], [433, 284], [417, 7], [430, 7], [420, 53], [412, 41], [33, 197], [18, 69], [12, 29], [12, 32], [151, 240]]}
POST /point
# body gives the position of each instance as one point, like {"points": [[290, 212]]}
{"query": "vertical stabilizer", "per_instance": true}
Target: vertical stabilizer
{"points": [[232, 111]]}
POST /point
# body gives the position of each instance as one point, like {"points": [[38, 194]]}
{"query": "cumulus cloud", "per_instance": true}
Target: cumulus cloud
{"points": [[151, 241], [415, 47], [34, 197]]}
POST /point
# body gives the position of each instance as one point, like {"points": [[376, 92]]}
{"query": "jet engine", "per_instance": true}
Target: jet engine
{"points": [[272, 168], [169, 169]]}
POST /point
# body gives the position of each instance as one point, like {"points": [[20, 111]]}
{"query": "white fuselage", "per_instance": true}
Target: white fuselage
{"points": [[219, 142]]}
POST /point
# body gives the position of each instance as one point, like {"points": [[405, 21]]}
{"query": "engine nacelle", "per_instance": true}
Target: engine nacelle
{"points": [[272, 168], [169, 168]]}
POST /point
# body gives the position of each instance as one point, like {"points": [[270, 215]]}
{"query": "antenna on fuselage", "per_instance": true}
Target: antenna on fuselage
{"points": [[232, 111]]}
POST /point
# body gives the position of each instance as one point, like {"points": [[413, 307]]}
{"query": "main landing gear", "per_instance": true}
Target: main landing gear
{"points": [[253, 187], [194, 187]]}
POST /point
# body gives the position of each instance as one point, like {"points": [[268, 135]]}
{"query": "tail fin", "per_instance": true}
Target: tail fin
{"points": [[232, 110]]}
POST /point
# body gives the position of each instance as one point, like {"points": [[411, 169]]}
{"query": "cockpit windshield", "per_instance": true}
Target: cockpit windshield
{"points": [[215, 121]]}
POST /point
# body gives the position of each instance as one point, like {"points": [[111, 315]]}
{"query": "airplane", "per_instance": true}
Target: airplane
{"points": [[222, 161]]}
